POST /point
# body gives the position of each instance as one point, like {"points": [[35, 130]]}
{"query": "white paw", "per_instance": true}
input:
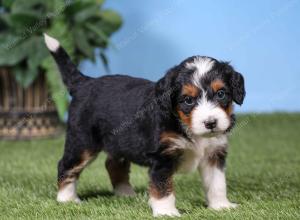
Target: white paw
{"points": [[68, 194], [62, 199], [166, 212], [219, 205], [164, 206], [124, 190]]}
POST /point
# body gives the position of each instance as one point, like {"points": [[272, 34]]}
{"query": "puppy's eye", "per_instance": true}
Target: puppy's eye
{"points": [[221, 94], [189, 100]]}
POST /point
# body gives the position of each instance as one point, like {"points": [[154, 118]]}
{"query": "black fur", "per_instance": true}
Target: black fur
{"points": [[238, 89]]}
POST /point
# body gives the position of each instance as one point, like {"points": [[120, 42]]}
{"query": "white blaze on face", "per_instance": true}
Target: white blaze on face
{"points": [[207, 111], [202, 65]]}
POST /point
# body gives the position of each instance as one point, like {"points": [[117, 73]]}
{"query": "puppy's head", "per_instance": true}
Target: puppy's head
{"points": [[202, 92]]}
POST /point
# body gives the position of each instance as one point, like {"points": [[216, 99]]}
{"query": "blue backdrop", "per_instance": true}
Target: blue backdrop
{"points": [[260, 38]]}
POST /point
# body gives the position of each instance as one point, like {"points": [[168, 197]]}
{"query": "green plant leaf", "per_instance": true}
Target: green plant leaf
{"points": [[111, 21], [25, 76], [22, 21], [86, 13], [80, 26], [104, 61], [6, 39], [36, 52], [98, 32], [13, 50], [7, 3], [21, 6], [76, 7], [82, 43]]}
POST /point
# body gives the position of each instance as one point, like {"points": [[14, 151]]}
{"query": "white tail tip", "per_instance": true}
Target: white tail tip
{"points": [[51, 43]]}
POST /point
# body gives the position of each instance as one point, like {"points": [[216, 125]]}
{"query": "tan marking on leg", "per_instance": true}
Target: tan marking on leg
{"points": [[162, 199], [160, 190], [66, 181], [73, 174]]}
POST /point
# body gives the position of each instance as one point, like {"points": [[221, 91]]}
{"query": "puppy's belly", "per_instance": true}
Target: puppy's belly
{"points": [[132, 156]]}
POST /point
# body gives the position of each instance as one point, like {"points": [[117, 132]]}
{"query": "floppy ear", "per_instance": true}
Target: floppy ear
{"points": [[166, 89], [238, 87]]}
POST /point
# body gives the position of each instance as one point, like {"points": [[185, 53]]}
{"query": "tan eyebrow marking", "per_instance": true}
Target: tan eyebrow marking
{"points": [[216, 85], [190, 90]]}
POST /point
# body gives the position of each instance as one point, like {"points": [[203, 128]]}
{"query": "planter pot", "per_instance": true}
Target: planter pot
{"points": [[26, 113]]}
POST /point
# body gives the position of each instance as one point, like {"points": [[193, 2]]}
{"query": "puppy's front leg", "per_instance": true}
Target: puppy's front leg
{"points": [[214, 181], [162, 198]]}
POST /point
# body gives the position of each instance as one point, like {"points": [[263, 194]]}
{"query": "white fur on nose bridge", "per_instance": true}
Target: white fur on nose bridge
{"points": [[207, 110], [206, 106], [202, 66]]}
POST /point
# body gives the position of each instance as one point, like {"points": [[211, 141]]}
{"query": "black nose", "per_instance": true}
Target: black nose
{"points": [[210, 124]]}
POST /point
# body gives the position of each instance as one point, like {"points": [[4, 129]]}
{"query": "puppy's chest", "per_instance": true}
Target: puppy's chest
{"points": [[198, 151]]}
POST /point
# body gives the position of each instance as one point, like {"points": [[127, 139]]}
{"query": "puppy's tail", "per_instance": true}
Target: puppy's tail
{"points": [[71, 76]]}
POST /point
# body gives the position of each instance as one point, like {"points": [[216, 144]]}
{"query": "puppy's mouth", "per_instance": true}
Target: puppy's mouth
{"points": [[212, 133]]}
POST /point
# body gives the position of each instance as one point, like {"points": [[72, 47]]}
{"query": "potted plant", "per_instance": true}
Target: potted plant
{"points": [[33, 99]]}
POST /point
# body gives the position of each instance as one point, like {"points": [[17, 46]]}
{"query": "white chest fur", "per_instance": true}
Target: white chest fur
{"points": [[198, 150]]}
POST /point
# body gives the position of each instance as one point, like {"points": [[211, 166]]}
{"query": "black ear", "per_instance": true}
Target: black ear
{"points": [[238, 87], [166, 89]]}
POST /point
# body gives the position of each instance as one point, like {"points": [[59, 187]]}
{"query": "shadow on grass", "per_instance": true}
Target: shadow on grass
{"points": [[92, 194], [96, 194]]}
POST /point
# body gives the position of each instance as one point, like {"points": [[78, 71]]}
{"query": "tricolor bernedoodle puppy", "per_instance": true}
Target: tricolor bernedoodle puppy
{"points": [[179, 123]]}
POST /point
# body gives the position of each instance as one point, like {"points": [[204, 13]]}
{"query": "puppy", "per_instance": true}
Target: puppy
{"points": [[177, 124]]}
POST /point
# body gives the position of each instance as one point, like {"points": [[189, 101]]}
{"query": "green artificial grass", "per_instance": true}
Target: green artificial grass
{"points": [[263, 176]]}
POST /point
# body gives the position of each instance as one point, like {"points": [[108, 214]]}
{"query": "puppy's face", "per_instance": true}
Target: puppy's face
{"points": [[206, 91]]}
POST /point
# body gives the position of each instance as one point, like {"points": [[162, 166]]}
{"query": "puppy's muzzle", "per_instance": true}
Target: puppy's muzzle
{"points": [[210, 124]]}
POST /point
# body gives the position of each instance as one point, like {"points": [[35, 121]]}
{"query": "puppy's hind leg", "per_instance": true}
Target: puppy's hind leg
{"points": [[74, 160], [118, 170]]}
